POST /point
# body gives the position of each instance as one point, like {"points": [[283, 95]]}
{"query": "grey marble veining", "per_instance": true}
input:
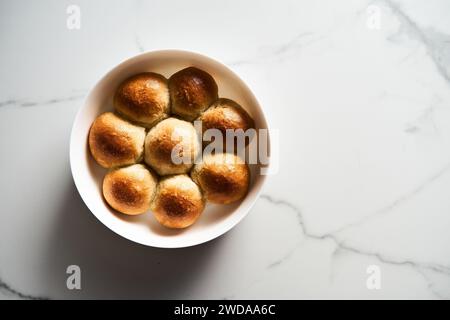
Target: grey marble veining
{"points": [[364, 122]]}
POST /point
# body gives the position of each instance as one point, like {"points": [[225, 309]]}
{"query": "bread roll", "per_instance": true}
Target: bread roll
{"points": [[115, 142], [178, 202], [191, 91], [143, 98], [223, 178], [225, 114], [130, 190], [171, 140]]}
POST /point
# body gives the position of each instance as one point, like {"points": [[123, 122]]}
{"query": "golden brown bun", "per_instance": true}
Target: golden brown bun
{"points": [[115, 142], [178, 202], [171, 135], [226, 114], [143, 98], [223, 178], [191, 91], [130, 190]]}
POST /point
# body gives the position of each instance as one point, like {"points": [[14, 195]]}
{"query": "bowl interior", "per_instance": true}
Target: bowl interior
{"points": [[88, 175]]}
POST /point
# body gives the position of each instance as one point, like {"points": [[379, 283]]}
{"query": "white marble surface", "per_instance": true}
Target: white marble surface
{"points": [[364, 119]]}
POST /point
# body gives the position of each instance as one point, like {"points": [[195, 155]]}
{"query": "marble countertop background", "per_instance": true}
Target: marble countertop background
{"points": [[360, 91]]}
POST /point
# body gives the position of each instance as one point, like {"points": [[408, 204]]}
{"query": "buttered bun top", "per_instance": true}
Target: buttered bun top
{"points": [[143, 98], [115, 142], [178, 202], [171, 147], [223, 178], [225, 114], [130, 190], [191, 91]]}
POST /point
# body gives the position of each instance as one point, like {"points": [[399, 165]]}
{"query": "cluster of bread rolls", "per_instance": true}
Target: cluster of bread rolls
{"points": [[152, 117]]}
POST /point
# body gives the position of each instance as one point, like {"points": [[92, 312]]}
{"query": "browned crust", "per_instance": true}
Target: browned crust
{"points": [[126, 191], [192, 91], [115, 142], [178, 206], [160, 142], [162, 145], [175, 205], [143, 98], [222, 183], [225, 114], [123, 190]]}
